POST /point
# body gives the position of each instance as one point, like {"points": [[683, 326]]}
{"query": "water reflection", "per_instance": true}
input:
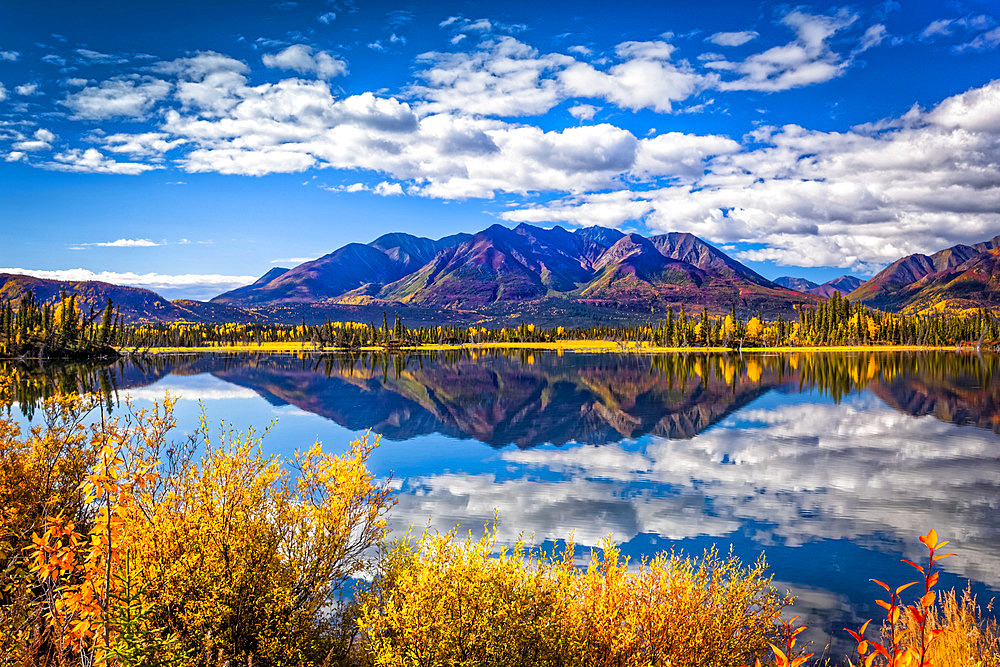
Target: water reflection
{"points": [[832, 463], [532, 398]]}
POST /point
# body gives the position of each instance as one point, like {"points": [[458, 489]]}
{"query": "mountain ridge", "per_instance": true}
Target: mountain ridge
{"points": [[919, 283], [500, 267], [551, 276]]}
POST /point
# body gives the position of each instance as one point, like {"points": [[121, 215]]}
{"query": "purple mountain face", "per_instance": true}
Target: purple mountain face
{"points": [[899, 285], [843, 284], [501, 268], [501, 273]]}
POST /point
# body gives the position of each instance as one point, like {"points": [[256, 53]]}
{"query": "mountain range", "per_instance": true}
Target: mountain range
{"points": [[500, 271], [548, 276], [956, 278]]}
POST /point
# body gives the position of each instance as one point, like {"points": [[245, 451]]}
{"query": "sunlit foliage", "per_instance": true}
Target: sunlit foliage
{"points": [[59, 329], [834, 322], [148, 554], [441, 600]]}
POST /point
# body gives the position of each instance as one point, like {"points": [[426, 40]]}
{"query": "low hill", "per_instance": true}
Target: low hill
{"points": [[135, 304], [843, 284]]}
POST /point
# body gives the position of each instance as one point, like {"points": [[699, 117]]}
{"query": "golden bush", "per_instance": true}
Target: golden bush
{"points": [[441, 600], [143, 554]]}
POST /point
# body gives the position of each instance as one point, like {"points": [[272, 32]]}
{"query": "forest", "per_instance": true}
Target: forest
{"points": [[836, 322], [58, 330]]}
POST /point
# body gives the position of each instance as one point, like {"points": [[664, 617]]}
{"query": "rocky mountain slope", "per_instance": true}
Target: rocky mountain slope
{"points": [[499, 269]]}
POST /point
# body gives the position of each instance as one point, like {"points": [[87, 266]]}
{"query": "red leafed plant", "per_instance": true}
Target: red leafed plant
{"points": [[897, 652], [786, 657]]}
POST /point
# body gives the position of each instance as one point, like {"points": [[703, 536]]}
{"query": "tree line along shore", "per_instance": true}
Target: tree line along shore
{"points": [[62, 329]]}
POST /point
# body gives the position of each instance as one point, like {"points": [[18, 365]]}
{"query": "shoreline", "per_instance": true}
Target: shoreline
{"points": [[596, 346]]}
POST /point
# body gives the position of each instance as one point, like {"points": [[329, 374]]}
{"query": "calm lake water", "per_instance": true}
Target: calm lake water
{"points": [[832, 464]]}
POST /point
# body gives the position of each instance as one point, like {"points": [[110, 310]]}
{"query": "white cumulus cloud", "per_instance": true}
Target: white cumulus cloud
{"points": [[303, 59], [117, 98], [732, 38], [131, 279], [807, 60], [93, 161]]}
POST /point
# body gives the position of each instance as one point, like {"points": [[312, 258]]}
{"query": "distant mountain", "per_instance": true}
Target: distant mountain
{"points": [[844, 284], [958, 277], [502, 270], [134, 303], [797, 284], [347, 269], [547, 276]]}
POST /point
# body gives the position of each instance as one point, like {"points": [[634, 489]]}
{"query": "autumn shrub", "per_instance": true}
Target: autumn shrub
{"points": [[671, 610], [440, 600], [41, 471], [248, 559], [155, 556], [933, 631], [969, 637]]}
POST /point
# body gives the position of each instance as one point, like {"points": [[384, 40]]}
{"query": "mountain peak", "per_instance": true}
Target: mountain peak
{"points": [[503, 268]]}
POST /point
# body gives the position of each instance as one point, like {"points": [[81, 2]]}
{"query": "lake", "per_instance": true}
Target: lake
{"points": [[830, 463]]}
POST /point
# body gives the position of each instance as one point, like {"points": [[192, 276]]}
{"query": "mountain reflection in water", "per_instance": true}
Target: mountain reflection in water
{"points": [[531, 398], [832, 463]]}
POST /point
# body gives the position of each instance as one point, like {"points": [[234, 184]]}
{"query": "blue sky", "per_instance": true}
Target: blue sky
{"points": [[190, 146]]}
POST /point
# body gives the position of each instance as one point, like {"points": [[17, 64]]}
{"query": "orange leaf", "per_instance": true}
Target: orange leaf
{"points": [[879, 648], [910, 562], [900, 589], [928, 599], [882, 584], [779, 654], [930, 539]]}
